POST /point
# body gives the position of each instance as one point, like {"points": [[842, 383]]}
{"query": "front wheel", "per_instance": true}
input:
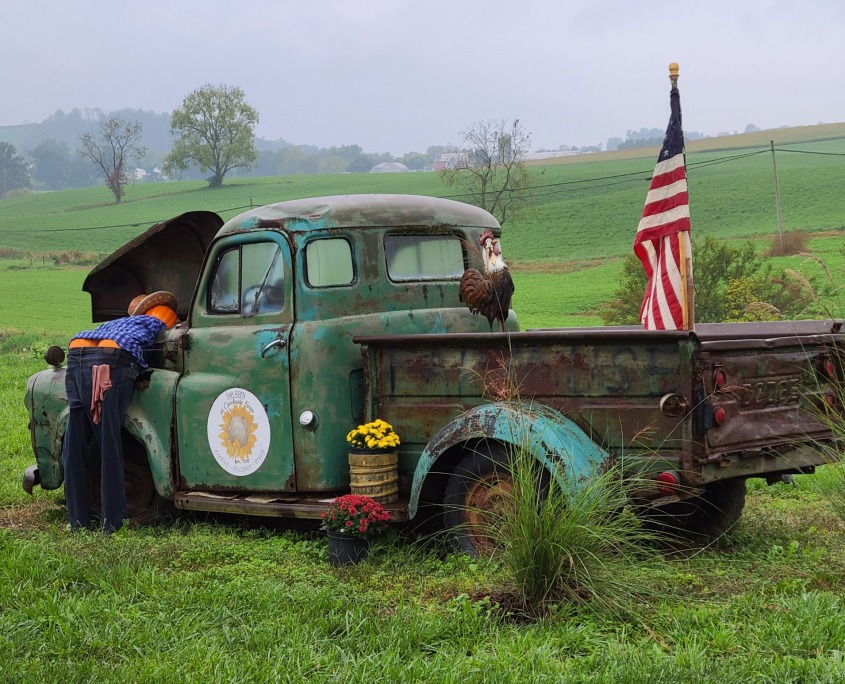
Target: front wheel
{"points": [[144, 505]]}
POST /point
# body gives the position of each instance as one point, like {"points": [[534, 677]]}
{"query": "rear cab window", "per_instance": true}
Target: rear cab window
{"points": [[424, 257]]}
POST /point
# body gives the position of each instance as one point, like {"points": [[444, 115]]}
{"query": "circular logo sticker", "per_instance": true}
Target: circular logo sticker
{"points": [[238, 431]]}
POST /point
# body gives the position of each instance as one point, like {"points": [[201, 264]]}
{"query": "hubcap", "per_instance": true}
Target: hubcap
{"points": [[487, 500]]}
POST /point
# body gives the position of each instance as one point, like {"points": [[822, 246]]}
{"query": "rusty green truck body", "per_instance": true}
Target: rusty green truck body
{"points": [[302, 319]]}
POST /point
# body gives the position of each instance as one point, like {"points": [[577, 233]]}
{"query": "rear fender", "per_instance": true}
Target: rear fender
{"points": [[555, 442]]}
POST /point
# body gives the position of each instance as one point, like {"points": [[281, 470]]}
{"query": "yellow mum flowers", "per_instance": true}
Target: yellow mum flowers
{"points": [[377, 434]]}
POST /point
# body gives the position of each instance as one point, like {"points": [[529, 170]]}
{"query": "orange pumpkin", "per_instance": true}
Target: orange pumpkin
{"points": [[163, 313]]}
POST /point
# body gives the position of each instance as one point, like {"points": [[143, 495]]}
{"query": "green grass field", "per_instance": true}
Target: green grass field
{"points": [[212, 600]]}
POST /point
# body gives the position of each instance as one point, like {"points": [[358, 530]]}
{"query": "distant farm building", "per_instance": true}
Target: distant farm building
{"points": [[451, 160], [389, 167]]}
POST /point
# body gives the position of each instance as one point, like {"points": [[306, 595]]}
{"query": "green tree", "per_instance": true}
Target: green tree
{"points": [[491, 168], [14, 171], [214, 129], [57, 168], [116, 144], [732, 283], [297, 161], [415, 161]]}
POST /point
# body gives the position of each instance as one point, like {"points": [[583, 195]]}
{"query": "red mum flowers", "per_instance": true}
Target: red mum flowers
{"points": [[357, 516]]}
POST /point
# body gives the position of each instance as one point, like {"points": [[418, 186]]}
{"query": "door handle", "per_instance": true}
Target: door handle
{"points": [[278, 342]]}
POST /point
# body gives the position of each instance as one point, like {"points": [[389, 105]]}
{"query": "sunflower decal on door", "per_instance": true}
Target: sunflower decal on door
{"points": [[238, 431]]}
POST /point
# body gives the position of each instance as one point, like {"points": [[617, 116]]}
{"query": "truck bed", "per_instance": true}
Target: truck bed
{"points": [[612, 381]]}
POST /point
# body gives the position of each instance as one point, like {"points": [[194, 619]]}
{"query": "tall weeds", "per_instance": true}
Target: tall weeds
{"points": [[562, 537], [570, 544], [831, 482], [829, 299]]}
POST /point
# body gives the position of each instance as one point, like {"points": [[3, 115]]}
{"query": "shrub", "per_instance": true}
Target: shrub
{"points": [[791, 242], [732, 283]]}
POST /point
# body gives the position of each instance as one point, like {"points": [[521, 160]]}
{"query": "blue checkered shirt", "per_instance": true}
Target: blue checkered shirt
{"points": [[135, 334]]}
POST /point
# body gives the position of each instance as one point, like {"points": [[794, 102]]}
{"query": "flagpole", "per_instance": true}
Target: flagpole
{"points": [[686, 257]]}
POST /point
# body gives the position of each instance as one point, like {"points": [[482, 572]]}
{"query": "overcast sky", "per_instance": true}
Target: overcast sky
{"points": [[400, 75]]}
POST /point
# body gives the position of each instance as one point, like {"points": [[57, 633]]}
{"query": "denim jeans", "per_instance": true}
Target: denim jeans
{"points": [[75, 452]]}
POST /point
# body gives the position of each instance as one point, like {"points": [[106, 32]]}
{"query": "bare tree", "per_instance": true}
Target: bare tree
{"points": [[116, 143], [491, 167]]}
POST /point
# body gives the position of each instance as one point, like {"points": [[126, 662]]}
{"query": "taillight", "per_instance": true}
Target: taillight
{"points": [[720, 379], [719, 415], [667, 481], [828, 368]]}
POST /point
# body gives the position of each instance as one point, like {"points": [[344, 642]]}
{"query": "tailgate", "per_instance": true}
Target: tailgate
{"points": [[764, 379]]}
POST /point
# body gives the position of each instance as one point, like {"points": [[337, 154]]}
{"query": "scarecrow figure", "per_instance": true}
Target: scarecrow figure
{"points": [[101, 371]]}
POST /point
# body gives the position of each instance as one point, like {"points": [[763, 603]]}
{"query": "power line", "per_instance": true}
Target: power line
{"points": [[648, 172], [722, 160], [631, 175], [137, 224], [829, 154]]}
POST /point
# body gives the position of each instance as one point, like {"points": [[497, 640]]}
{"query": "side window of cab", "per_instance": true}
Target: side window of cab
{"points": [[248, 280], [328, 263]]}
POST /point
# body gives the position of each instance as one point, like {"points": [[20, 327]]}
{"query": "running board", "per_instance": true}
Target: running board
{"points": [[271, 505]]}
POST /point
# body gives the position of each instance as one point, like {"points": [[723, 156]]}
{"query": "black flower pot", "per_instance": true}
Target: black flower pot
{"points": [[344, 549]]}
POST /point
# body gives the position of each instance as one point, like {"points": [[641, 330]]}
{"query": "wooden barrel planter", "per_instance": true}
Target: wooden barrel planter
{"points": [[374, 473]]}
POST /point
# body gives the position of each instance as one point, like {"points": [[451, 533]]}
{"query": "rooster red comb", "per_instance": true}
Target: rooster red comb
{"points": [[485, 235]]}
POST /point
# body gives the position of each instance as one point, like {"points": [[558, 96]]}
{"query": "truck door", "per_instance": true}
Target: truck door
{"points": [[233, 402]]}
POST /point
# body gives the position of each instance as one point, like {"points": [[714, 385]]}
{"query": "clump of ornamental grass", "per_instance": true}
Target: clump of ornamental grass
{"points": [[563, 538], [571, 544], [830, 482]]}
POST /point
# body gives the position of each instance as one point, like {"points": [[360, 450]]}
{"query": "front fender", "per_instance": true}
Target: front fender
{"points": [[148, 419], [46, 403], [554, 440]]}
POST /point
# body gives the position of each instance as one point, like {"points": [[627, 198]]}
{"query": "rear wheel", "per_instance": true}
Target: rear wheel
{"points": [[477, 495], [707, 516]]}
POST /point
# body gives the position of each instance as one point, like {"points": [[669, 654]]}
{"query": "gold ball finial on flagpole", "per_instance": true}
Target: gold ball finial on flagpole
{"points": [[673, 73]]}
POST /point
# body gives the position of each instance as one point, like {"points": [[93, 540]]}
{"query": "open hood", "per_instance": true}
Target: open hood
{"points": [[168, 256]]}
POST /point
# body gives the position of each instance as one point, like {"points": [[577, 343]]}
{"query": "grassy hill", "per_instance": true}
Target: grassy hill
{"points": [[585, 214]]}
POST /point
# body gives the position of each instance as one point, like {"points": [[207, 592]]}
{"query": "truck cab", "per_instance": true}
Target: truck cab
{"points": [[248, 399]]}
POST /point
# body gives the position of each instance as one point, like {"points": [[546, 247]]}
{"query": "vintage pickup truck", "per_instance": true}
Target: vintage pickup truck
{"points": [[310, 316]]}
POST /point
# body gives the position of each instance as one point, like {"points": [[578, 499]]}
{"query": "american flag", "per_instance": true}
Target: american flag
{"points": [[662, 242]]}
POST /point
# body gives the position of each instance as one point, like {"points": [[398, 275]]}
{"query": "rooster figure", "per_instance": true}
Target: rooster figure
{"points": [[488, 293]]}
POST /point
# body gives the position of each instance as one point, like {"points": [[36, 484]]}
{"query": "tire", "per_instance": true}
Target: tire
{"points": [[476, 492], [705, 517], [144, 505]]}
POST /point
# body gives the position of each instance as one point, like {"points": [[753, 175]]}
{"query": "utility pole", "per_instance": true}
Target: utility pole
{"points": [[777, 195]]}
